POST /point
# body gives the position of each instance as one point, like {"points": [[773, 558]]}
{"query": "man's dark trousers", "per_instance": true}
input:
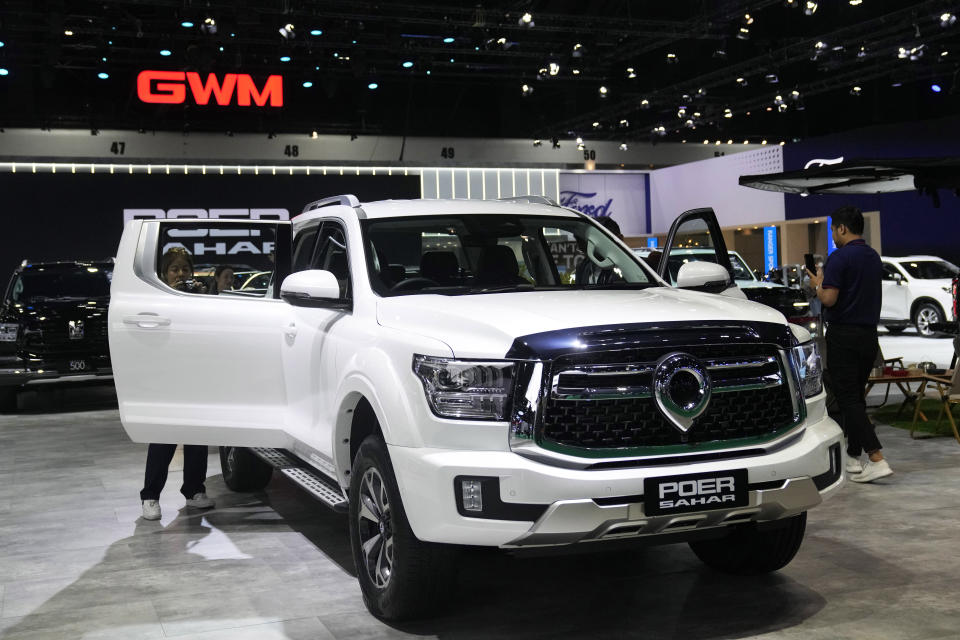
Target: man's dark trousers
{"points": [[851, 354], [158, 462]]}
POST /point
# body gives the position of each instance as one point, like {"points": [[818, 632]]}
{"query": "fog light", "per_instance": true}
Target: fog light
{"points": [[471, 495]]}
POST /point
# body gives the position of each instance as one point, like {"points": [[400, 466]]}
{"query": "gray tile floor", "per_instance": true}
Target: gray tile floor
{"points": [[879, 561]]}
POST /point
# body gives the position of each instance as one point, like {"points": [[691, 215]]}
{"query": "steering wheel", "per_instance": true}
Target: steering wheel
{"points": [[414, 283], [603, 263]]}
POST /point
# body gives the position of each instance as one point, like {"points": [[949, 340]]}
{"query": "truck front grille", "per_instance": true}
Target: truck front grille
{"points": [[604, 400]]}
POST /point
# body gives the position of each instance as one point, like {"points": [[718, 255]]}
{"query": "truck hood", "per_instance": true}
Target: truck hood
{"points": [[485, 325]]}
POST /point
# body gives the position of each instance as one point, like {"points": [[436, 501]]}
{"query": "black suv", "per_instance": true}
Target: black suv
{"points": [[53, 326]]}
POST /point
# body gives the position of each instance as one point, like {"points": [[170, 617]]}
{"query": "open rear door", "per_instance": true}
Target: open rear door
{"points": [[695, 236]]}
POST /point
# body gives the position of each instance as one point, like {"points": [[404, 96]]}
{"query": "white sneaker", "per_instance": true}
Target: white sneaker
{"points": [[873, 471], [151, 509], [200, 501], [853, 464]]}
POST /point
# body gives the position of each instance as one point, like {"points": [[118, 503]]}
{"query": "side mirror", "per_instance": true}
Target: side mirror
{"points": [[312, 288], [703, 276], [898, 278]]}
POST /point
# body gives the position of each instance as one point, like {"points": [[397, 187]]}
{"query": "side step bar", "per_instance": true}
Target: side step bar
{"points": [[316, 484]]}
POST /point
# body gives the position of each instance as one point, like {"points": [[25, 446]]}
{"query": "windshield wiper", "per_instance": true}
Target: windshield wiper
{"points": [[504, 289], [619, 285]]}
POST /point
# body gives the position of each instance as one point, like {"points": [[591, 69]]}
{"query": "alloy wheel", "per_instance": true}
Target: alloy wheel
{"points": [[925, 317], [376, 533]]}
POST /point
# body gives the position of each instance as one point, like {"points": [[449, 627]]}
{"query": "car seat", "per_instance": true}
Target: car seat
{"points": [[498, 266], [440, 266]]}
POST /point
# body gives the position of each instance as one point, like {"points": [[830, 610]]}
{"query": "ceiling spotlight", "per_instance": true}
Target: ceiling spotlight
{"points": [[729, 141], [103, 75], [944, 54], [748, 19], [862, 53], [186, 24], [727, 113], [69, 32], [575, 72], [682, 112], [581, 146], [623, 146], [407, 64], [794, 95], [947, 19], [209, 26], [771, 78], [689, 123], [596, 125], [554, 68], [372, 86], [537, 142], [624, 122], [783, 142], [284, 58], [307, 84], [742, 82], [579, 140], [659, 130], [165, 52], [3, 71], [577, 50], [288, 32], [672, 58], [526, 20], [314, 134], [448, 40], [778, 99], [743, 33], [782, 107], [526, 90], [792, 4], [316, 32], [720, 54], [856, 91], [706, 142], [936, 88], [810, 8], [820, 46], [630, 73], [701, 92], [644, 104], [602, 91], [763, 142], [856, 3]]}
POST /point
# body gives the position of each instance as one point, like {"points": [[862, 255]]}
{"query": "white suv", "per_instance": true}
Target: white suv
{"points": [[435, 369], [916, 290]]}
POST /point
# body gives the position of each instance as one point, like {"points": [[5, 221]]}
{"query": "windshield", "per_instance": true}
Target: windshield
{"points": [[89, 282], [930, 269], [456, 255]]}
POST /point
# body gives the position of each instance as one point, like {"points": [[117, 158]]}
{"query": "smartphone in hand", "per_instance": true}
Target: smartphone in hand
{"points": [[810, 262]]}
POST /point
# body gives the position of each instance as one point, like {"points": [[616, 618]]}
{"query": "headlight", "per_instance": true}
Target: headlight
{"points": [[806, 358], [8, 331], [466, 389]]}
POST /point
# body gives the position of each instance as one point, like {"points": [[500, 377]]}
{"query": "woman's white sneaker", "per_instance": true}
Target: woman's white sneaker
{"points": [[853, 464], [200, 501], [873, 471], [151, 509]]}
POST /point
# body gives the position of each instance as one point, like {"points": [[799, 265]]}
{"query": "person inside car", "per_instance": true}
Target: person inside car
{"points": [[176, 269], [222, 279]]}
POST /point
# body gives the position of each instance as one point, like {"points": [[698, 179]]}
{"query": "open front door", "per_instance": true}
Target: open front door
{"points": [[695, 236], [196, 353]]}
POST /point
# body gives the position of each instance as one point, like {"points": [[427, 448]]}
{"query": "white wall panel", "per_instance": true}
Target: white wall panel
{"points": [[715, 183]]}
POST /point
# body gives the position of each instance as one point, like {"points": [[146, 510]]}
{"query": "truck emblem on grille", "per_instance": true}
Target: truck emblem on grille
{"points": [[75, 329], [681, 387]]}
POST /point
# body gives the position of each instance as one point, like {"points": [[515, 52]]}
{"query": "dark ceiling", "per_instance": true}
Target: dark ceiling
{"points": [[472, 85]]}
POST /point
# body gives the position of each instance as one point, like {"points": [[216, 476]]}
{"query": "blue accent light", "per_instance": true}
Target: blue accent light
{"points": [[372, 86], [3, 72], [451, 59], [935, 88], [831, 245], [103, 75], [448, 40], [316, 32], [407, 64], [770, 249], [1, 43], [652, 242], [307, 84], [284, 58], [186, 24], [165, 52]]}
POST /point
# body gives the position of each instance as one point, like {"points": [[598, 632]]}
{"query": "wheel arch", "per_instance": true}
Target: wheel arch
{"points": [[925, 300]]}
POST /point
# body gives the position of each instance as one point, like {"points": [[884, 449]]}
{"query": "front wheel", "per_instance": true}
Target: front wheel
{"points": [[243, 470], [400, 576], [750, 551], [927, 314]]}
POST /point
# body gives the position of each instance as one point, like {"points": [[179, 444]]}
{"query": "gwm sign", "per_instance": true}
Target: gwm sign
{"points": [[170, 87]]}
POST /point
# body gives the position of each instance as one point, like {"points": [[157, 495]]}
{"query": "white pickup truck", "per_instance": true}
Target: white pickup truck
{"points": [[435, 369]]}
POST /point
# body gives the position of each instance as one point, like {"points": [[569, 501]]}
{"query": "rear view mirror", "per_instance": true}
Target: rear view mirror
{"points": [[312, 288], [703, 276]]}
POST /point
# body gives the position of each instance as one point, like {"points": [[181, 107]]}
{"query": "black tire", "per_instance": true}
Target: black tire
{"points": [[400, 576], [8, 399], [894, 330], [748, 551], [243, 470], [925, 314]]}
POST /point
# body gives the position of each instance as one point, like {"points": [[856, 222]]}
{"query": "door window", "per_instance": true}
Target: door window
{"points": [[890, 272], [695, 236], [210, 258], [332, 255], [303, 246]]}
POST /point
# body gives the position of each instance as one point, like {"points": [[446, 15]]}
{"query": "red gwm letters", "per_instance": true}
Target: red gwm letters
{"points": [[170, 87]]}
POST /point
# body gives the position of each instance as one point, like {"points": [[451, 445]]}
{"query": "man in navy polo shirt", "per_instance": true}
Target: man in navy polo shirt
{"points": [[849, 288]]}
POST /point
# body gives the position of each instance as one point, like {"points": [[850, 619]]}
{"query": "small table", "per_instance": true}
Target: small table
{"points": [[903, 383]]}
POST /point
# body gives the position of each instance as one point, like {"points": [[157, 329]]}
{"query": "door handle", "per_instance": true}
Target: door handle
{"points": [[290, 330], [147, 321]]}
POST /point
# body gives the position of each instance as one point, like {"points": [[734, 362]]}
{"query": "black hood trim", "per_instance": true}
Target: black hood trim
{"points": [[551, 344]]}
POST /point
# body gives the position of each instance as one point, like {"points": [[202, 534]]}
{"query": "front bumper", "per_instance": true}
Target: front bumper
{"points": [[578, 505], [16, 372]]}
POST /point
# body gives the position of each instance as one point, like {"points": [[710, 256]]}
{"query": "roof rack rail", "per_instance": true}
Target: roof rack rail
{"points": [[531, 200], [347, 200]]}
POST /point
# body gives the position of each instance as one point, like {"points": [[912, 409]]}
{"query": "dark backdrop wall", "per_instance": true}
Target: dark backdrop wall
{"points": [[909, 223], [67, 216]]}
